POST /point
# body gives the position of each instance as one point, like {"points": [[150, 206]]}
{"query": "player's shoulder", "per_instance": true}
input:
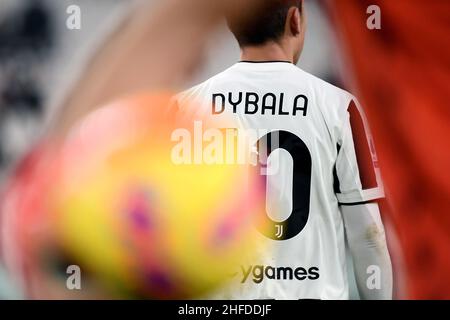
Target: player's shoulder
{"points": [[198, 91], [333, 101], [187, 94], [324, 88]]}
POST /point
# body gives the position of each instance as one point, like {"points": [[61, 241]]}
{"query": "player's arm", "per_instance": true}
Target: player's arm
{"points": [[154, 48], [367, 244], [150, 49], [358, 185]]}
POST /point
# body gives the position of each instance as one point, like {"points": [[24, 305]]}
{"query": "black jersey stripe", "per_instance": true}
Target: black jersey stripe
{"points": [[336, 182], [350, 204]]}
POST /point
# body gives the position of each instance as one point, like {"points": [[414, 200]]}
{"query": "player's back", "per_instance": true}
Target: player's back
{"points": [[306, 128]]}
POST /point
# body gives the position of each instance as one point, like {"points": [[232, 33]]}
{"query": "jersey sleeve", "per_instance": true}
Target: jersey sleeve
{"points": [[357, 175]]}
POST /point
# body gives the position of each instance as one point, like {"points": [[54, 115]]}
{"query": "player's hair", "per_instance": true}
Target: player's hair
{"points": [[267, 24]]}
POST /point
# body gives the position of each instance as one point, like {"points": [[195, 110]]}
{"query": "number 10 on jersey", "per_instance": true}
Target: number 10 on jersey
{"points": [[301, 188]]}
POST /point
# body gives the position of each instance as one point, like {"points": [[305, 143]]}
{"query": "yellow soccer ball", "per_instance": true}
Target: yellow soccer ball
{"points": [[139, 223]]}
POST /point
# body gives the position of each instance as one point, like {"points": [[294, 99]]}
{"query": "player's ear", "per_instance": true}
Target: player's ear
{"points": [[294, 21]]}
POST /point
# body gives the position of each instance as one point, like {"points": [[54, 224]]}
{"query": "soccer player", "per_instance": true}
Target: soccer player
{"points": [[327, 184]]}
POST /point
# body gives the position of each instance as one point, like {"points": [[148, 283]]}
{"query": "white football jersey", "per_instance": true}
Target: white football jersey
{"points": [[324, 157]]}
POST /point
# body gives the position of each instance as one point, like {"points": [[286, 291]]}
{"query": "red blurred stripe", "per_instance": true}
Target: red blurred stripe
{"points": [[362, 149], [402, 73]]}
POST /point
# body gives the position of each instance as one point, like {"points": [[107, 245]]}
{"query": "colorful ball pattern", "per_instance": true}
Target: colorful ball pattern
{"points": [[110, 199]]}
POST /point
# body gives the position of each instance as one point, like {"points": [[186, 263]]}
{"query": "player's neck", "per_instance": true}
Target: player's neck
{"points": [[266, 52]]}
